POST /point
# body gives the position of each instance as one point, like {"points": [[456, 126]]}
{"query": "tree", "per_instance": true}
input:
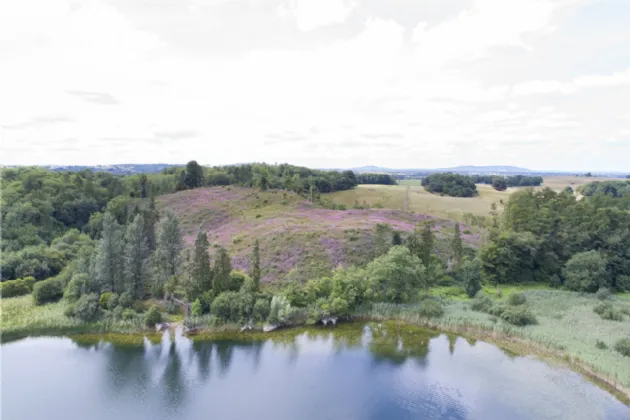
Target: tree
{"points": [[108, 258], [255, 274], [145, 187], [136, 258], [222, 271], [457, 249], [382, 239], [396, 239], [168, 251], [427, 240], [585, 272], [510, 258], [395, 275], [469, 275], [194, 175], [261, 180], [499, 183], [201, 271], [150, 216]]}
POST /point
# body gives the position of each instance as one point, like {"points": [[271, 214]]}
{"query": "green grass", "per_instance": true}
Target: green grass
{"points": [[21, 318]]}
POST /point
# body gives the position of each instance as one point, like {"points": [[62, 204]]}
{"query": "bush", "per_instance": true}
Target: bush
{"points": [[519, 316], [87, 307], [481, 302], [623, 346], [230, 307], [261, 310], [153, 316], [117, 312], [69, 310], [172, 308], [516, 299], [612, 314], [127, 314], [112, 303], [430, 308], [623, 283], [237, 279], [497, 310], [603, 293], [47, 291], [601, 345], [196, 308], [30, 282], [600, 308], [103, 301], [585, 271], [12, 288], [75, 287], [125, 300]]}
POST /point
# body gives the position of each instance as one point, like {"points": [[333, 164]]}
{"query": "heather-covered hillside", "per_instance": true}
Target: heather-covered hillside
{"points": [[294, 235]]}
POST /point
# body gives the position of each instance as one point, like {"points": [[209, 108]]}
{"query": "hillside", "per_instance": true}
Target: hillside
{"points": [[293, 234]]}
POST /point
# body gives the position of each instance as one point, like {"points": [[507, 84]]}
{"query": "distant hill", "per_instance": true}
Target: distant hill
{"points": [[485, 169], [123, 169]]}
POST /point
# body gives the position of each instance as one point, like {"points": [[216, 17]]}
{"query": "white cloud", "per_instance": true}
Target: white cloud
{"points": [[411, 86]]}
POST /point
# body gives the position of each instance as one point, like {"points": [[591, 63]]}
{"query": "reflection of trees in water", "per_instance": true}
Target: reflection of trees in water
{"points": [[225, 350], [174, 390], [396, 344], [452, 339], [203, 350], [126, 369]]}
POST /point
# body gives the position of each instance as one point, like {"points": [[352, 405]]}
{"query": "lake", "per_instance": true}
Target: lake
{"points": [[351, 371]]}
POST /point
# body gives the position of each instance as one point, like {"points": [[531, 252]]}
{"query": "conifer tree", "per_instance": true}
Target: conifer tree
{"points": [[108, 261], [201, 272], [222, 272], [256, 265], [136, 257], [457, 249], [427, 240], [168, 252]]}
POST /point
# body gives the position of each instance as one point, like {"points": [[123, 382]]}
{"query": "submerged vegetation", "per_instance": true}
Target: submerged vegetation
{"points": [[128, 262]]}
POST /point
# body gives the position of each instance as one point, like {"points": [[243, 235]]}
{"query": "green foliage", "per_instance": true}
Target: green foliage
{"points": [[194, 175], [430, 308], [516, 299], [518, 315], [87, 307], [103, 301], [78, 285], [261, 310], [231, 306], [108, 257], [238, 279], [127, 313], [510, 258], [623, 346], [482, 302], [47, 291], [499, 183], [125, 300], [601, 345], [222, 273], [469, 275], [382, 239], [255, 274], [394, 276], [167, 256], [376, 179], [136, 257], [585, 272], [279, 311], [196, 308], [200, 278], [12, 288], [456, 245], [454, 185], [153, 316]]}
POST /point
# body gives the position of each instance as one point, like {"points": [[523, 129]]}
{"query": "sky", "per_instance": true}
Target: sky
{"points": [[541, 84]]}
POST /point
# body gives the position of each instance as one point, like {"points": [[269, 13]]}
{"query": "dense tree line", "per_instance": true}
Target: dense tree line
{"points": [[545, 236], [381, 179], [617, 189], [510, 181], [450, 184]]}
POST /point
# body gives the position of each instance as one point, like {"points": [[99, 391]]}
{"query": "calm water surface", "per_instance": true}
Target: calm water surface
{"points": [[351, 372]]}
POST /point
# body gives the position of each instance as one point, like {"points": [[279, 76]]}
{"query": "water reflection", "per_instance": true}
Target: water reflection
{"points": [[374, 371]]}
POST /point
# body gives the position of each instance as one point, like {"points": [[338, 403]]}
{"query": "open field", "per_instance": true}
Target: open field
{"points": [[294, 235], [421, 201], [559, 183]]}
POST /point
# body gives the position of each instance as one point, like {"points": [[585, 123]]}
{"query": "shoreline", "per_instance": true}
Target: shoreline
{"points": [[91, 334]]}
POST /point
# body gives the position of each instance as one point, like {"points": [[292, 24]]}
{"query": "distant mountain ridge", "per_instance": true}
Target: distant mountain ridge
{"points": [[122, 169], [500, 169]]}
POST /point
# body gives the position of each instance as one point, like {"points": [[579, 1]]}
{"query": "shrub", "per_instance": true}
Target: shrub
{"points": [[516, 299], [30, 282], [69, 310], [46, 291], [497, 310], [103, 301], [603, 293], [196, 308], [519, 316], [172, 308], [430, 308], [12, 288], [469, 274], [612, 314], [339, 307], [623, 346], [117, 312], [87, 307], [127, 314], [623, 283], [600, 308], [601, 345], [585, 271], [75, 287], [261, 310], [481, 302], [230, 306], [237, 279], [125, 300], [112, 303], [152, 317]]}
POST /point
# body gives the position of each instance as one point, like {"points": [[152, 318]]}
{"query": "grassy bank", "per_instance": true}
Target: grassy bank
{"points": [[567, 329]]}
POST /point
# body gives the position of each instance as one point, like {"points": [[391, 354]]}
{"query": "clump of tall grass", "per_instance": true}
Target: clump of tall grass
{"points": [[603, 294], [623, 346], [606, 311], [516, 299]]}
